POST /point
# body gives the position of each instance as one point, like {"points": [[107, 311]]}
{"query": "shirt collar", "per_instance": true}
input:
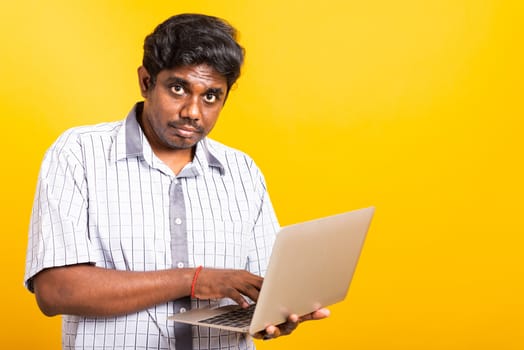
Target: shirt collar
{"points": [[131, 142]]}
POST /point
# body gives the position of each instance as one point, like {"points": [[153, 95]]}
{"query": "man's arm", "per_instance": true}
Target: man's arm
{"points": [[88, 290]]}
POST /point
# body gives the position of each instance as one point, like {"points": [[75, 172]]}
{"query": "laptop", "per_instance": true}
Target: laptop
{"points": [[311, 266]]}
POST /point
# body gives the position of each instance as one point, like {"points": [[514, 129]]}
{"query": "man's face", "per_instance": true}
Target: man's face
{"points": [[182, 107]]}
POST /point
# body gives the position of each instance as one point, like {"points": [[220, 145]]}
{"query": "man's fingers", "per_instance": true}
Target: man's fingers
{"points": [[247, 285], [250, 291], [223, 283], [293, 318], [236, 297], [288, 327], [291, 324], [316, 315], [321, 313], [271, 332]]}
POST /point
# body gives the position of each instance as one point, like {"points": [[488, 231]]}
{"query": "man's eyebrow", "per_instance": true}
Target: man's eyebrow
{"points": [[177, 80]]}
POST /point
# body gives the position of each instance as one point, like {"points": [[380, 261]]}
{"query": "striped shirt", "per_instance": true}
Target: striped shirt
{"points": [[104, 198]]}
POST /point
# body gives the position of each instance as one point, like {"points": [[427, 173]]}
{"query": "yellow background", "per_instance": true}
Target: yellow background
{"points": [[413, 106]]}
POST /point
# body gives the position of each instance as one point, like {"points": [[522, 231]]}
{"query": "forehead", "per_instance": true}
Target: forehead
{"points": [[201, 74]]}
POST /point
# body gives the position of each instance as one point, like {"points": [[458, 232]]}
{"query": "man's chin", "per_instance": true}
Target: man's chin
{"points": [[183, 144]]}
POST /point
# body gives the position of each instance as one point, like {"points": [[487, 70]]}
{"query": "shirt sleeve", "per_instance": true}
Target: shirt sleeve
{"points": [[265, 229], [58, 232]]}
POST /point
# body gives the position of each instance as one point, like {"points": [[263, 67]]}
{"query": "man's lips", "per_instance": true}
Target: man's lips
{"points": [[185, 130]]}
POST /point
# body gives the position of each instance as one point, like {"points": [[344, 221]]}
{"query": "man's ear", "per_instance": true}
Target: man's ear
{"points": [[144, 81]]}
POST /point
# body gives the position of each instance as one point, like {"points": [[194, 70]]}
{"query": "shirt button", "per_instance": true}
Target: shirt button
{"points": [[180, 265], [182, 310], [178, 221]]}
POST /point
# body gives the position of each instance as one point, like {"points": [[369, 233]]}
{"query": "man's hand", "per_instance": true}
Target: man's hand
{"points": [[291, 324], [224, 283]]}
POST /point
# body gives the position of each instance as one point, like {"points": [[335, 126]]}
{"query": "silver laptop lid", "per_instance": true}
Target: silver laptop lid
{"points": [[311, 266]]}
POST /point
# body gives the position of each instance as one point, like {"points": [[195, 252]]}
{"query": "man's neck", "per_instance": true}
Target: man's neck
{"points": [[176, 160]]}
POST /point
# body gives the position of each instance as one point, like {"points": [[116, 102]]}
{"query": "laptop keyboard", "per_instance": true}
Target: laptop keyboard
{"points": [[240, 318]]}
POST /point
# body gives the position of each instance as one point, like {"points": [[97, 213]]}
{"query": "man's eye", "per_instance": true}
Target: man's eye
{"points": [[210, 98], [177, 89]]}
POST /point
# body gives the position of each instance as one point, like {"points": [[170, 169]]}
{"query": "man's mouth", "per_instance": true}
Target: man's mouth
{"points": [[185, 130]]}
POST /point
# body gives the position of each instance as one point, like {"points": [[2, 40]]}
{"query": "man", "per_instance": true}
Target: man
{"points": [[136, 220]]}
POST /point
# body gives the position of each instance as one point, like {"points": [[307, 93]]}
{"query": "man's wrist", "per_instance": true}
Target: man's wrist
{"points": [[194, 281]]}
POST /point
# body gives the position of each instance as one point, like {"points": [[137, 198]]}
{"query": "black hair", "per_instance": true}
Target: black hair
{"points": [[193, 39]]}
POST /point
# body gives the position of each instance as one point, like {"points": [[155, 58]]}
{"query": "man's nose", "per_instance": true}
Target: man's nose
{"points": [[192, 109]]}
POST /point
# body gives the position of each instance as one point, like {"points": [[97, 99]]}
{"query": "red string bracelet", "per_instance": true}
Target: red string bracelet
{"points": [[194, 281]]}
